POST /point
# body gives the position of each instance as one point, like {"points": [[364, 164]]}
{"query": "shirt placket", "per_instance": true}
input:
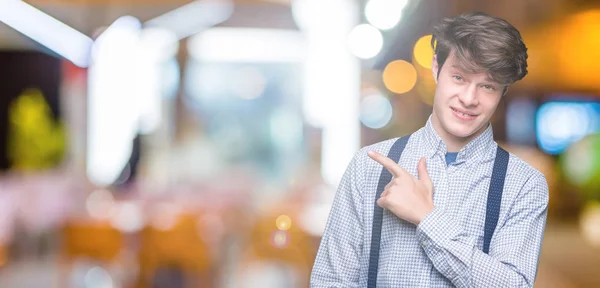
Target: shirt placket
{"points": [[440, 198]]}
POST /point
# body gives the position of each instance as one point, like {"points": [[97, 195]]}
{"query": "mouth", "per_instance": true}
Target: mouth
{"points": [[462, 114]]}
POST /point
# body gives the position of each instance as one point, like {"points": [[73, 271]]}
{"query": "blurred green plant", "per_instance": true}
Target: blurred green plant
{"points": [[35, 140], [581, 166]]}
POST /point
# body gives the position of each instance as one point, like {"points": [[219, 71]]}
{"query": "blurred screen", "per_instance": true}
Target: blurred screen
{"points": [[560, 123]]}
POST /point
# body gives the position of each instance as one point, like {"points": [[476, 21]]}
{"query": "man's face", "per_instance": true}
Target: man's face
{"points": [[463, 102]]}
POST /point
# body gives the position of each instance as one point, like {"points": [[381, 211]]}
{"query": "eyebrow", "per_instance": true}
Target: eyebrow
{"points": [[488, 79], [494, 82], [462, 70]]}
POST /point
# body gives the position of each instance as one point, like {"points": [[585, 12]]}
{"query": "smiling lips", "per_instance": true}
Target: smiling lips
{"points": [[464, 115]]}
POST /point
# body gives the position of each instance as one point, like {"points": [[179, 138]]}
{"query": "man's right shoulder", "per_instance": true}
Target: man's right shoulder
{"points": [[382, 147], [363, 169], [361, 159]]}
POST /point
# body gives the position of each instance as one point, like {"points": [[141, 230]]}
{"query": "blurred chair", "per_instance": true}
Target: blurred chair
{"points": [[175, 256]]}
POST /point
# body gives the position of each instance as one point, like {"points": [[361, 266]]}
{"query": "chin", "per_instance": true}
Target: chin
{"points": [[462, 133], [462, 130]]}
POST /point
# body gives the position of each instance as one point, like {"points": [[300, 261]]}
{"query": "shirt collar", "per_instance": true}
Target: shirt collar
{"points": [[472, 151], [432, 140]]}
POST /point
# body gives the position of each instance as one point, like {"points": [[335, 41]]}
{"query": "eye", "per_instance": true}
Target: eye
{"points": [[458, 78], [489, 87]]}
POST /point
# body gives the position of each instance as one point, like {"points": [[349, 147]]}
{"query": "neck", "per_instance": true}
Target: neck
{"points": [[453, 143]]}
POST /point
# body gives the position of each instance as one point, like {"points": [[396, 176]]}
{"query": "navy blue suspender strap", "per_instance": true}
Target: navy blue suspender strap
{"points": [[492, 210], [384, 179], [494, 198]]}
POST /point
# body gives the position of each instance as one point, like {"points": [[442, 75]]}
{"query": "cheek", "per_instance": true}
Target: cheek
{"points": [[444, 92], [490, 104], [441, 102]]}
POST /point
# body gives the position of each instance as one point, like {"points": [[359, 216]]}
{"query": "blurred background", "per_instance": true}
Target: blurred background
{"points": [[177, 143]]}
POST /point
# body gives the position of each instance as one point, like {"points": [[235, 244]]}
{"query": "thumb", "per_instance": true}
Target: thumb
{"points": [[382, 202], [424, 175]]}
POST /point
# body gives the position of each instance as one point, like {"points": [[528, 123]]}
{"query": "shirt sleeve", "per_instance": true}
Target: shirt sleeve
{"points": [[337, 261], [514, 250]]}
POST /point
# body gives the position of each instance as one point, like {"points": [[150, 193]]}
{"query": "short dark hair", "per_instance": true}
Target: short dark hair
{"points": [[482, 43]]}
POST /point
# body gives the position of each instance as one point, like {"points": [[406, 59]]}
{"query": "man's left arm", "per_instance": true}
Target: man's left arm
{"points": [[514, 250]]}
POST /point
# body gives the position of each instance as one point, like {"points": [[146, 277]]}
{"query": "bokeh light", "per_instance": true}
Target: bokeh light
{"points": [[590, 223], [165, 216], [574, 52], [384, 14], [577, 49], [561, 123], [283, 222], [100, 204], [581, 163], [128, 218], [365, 41], [250, 84], [280, 239], [97, 277], [375, 111], [399, 76], [422, 51]]}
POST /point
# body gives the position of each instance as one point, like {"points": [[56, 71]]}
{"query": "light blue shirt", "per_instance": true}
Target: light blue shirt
{"points": [[451, 157], [445, 249]]}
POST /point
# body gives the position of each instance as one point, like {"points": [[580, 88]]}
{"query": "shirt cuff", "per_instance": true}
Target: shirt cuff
{"points": [[436, 228]]}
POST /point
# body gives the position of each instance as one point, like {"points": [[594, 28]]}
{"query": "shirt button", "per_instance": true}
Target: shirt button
{"points": [[425, 243]]}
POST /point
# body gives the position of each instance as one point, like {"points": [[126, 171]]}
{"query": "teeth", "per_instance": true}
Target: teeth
{"points": [[463, 114]]}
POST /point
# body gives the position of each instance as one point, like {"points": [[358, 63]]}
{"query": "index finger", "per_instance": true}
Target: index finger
{"points": [[388, 164]]}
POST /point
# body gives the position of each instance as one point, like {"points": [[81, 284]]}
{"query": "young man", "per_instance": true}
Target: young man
{"points": [[434, 208]]}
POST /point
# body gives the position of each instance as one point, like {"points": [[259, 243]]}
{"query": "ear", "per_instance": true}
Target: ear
{"points": [[434, 68]]}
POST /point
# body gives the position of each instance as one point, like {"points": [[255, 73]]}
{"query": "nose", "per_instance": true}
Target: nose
{"points": [[468, 96]]}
